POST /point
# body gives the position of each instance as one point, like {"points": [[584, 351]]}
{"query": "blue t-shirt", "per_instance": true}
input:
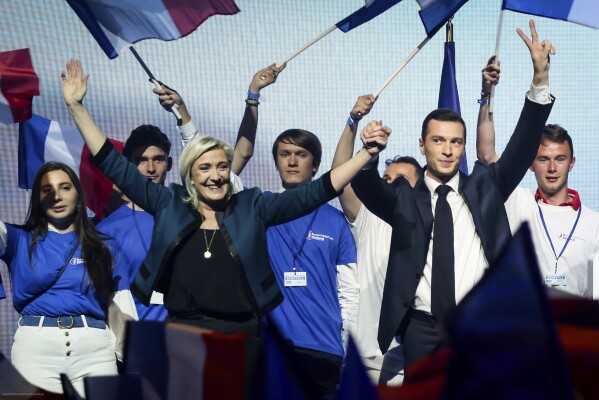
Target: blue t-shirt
{"points": [[70, 295], [132, 229], [310, 316]]}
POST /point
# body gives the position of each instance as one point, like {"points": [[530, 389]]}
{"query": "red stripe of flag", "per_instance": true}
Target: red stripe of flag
{"points": [[189, 14], [18, 82], [224, 369]]}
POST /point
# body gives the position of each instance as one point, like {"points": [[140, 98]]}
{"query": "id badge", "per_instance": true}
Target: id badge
{"points": [[295, 279], [555, 280]]}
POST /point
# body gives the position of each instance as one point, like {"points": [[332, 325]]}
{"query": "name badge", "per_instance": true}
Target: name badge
{"points": [[295, 279], [555, 280]]}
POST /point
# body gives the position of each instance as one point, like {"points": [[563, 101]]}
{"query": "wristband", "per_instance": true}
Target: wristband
{"points": [[254, 96], [483, 101], [351, 121], [485, 94], [251, 102]]}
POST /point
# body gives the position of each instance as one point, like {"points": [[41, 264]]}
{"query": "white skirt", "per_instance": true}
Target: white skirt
{"points": [[41, 354]]}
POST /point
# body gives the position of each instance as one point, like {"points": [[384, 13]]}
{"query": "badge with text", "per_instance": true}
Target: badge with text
{"points": [[295, 279], [555, 280]]}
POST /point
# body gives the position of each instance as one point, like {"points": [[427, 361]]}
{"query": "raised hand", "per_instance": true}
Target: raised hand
{"points": [[265, 77], [74, 83], [375, 136], [539, 52], [490, 75], [168, 97], [362, 106]]}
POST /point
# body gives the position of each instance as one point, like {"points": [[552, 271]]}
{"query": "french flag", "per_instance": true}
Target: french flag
{"points": [[583, 12], [18, 84], [42, 140], [116, 24], [371, 9]]}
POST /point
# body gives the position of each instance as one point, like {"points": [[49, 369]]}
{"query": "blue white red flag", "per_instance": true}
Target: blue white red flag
{"points": [[116, 24], [435, 13], [371, 9], [448, 90], [355, 383], [18, 84], [42, 140], [503, 335], [583, 12]]}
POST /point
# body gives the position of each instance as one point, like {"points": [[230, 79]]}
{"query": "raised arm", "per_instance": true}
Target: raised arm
{"points": [[485, 129], [524, 142], [246, 136], [74, 88], [345, 148], [374, 139]]}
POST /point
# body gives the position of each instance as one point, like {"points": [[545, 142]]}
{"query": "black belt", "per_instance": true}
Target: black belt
{"points": [[423, 316], [225, 316]]}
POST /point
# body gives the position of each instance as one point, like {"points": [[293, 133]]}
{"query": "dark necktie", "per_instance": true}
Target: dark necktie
{"points": [[443, 280]]}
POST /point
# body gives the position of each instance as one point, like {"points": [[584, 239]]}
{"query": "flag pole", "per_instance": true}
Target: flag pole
{"points": [[310, 43], [152, 78], [496, 62], [402, 66]]}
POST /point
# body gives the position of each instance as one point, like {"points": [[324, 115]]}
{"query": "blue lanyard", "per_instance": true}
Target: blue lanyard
{"points": [[567, 240], [297, 253]]}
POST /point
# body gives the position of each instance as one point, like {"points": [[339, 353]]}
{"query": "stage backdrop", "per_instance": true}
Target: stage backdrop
{"points": [[213, 66]]}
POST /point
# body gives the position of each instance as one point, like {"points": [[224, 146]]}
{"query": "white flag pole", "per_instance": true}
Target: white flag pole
{"points": [[499, 29], [402, 66], [310, 43]]}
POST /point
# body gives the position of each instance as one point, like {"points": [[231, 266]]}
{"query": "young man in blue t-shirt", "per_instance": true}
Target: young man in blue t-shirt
{"points": [[314, 259]]}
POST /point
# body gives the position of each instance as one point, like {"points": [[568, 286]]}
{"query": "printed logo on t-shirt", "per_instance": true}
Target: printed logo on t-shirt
{"points": [[318, 236], [564, 236], [76, 261]]}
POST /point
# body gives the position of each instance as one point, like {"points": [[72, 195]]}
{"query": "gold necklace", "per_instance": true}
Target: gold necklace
{"points": [[207, 253]]}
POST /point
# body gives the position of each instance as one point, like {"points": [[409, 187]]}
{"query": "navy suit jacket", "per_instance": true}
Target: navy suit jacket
{"points": [[409, 212]]}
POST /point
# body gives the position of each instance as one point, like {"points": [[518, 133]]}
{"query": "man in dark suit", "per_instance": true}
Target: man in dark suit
{"points": [[450, 226]]}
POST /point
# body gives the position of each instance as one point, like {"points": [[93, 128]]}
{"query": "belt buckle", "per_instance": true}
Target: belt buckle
{"points": [[69, 326]]}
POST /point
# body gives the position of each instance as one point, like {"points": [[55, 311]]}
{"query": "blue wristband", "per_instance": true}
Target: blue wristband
{"points": [[350, 121], [483, 101], [255, 96]]}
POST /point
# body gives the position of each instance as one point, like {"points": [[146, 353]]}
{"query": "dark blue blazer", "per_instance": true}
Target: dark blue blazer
{"points": [[409, 212], [243, 224]]}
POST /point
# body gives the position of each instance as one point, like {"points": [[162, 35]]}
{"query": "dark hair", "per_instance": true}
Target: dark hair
{"points": [[146, 136], [301, 138], [98, 259], [441, 114], [555, 133], [406, 160]]}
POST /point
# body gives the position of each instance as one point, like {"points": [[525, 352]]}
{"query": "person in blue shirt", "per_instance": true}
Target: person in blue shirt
{"points": [[314, 260], [69, 285], [149, 149]]}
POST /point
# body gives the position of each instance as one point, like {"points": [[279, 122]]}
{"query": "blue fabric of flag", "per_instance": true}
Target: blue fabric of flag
{"points": [[355, 383], [365, 14], [504, 338], [437, 13], [31, 148], [91, 23], [583, 12], [448, 90]]}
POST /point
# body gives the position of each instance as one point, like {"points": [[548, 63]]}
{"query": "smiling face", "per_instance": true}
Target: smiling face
{"points": [[295, 164], [210, 176], [552, 165], [153, 162], [443, 148], [59, 199]]}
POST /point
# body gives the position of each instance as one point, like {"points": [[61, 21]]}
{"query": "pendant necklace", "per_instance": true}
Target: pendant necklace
{"points": [[207, 253]]}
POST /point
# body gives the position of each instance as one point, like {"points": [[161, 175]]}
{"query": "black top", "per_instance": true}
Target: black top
{"points": [[210, 285]]}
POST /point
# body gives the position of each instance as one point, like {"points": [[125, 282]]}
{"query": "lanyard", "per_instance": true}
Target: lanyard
{"points": [[567, 240], [297, 253]]}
